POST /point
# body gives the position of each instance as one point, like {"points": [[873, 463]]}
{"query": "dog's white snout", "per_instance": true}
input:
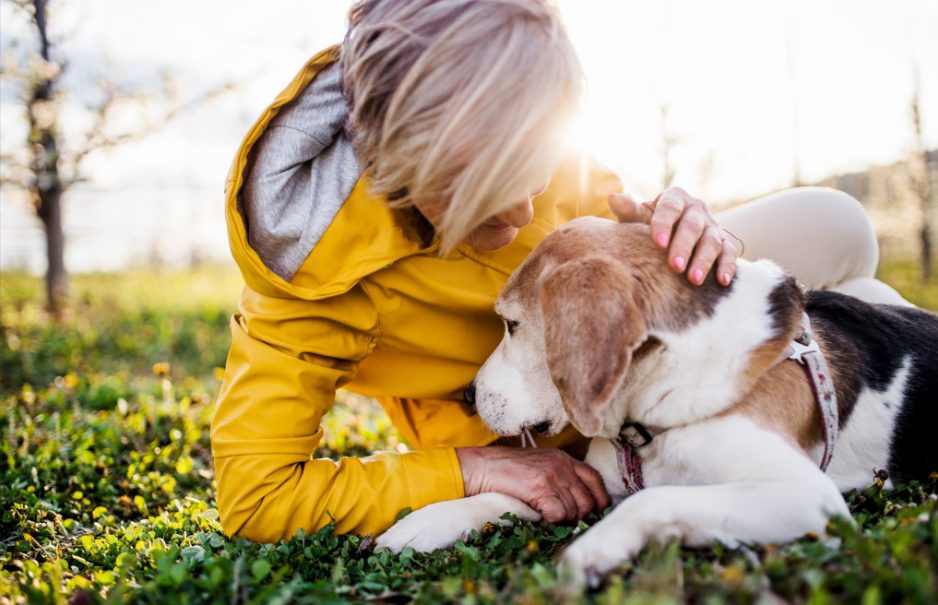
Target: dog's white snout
{"points": [[513, 389], [496, 411]]}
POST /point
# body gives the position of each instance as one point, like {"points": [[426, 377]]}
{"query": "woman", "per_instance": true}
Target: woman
{"points": [[377, 208]]}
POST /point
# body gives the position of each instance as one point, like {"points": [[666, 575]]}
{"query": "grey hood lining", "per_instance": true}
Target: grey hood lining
{"points": [[299, 173]]}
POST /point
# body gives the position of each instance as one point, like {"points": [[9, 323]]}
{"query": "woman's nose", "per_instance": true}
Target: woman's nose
{"points": [[518, 215]]}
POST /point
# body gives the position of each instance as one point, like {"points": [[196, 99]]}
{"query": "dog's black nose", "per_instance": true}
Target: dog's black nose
{"points": [[469, 396], [542, 428]]}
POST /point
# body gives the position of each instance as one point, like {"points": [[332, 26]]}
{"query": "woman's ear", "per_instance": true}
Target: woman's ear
{"points": [[592, 324]]}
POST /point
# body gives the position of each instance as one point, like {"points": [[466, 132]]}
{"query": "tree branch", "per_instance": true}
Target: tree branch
{"points": [[25, 5], [14, 172], [97, 138]]}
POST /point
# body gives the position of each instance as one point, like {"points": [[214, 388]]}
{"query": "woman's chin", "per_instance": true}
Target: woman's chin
{"points": [[485, 239]]}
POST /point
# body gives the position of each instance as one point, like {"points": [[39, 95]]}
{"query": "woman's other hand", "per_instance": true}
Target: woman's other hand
{"points": [[548, 480], [682, 224]]}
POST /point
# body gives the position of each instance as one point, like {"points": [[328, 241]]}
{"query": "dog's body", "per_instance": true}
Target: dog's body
{"points": [[604, 334]]}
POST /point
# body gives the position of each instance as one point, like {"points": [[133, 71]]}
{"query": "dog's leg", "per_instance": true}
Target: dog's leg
{"points": [[441, 524], [731, 513]]}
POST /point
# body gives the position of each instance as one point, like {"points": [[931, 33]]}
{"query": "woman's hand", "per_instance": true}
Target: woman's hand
{"points": [[548, 480], [682, 224]]}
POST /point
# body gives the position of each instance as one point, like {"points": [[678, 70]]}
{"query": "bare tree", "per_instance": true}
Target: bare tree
{"points": [[51, 165], [44, 183], [921, 181]]}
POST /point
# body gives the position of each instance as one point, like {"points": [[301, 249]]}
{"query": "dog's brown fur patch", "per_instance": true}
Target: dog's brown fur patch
{"points": [[783, 398], [665, 298], [786, 304], [783, 402], [571, 298]]}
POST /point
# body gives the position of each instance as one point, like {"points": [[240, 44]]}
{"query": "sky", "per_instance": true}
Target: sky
{"points": [[749, 86]]}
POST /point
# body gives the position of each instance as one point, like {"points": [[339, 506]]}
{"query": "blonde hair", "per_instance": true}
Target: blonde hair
{"points": [[465, 101]]}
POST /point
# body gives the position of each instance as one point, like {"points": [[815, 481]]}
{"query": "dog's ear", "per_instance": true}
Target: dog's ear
{"points": [[592, 324]]}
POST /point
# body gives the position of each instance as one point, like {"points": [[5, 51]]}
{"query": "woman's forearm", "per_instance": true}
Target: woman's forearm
{"points": [[266, 498]]}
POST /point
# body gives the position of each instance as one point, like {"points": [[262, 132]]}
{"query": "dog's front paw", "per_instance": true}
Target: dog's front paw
{"points": [[597, 552], [424, 530], [441, 524]]}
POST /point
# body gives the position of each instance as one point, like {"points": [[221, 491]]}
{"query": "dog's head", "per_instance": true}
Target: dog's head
{"points": [[574, 316], [599, 330]]}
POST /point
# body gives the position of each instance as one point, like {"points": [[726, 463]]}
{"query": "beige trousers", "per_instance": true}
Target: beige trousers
{"points": [[821, 235]]}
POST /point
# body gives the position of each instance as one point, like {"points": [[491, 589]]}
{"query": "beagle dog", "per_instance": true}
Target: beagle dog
{"points": [[707, 426]]}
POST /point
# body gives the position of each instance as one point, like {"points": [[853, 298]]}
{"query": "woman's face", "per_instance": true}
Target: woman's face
{"points": [[501, 229], [495, 232]]}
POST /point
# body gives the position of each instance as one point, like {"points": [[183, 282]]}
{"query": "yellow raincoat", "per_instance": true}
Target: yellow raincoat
{"points": [[372, 311]]}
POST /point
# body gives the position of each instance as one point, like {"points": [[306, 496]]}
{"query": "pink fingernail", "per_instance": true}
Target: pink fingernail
{"points": [[662, 239], [726, 279], [697, 276], [679, 263]]}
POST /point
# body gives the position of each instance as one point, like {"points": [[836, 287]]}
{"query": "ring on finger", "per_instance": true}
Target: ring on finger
{"points": [[741, 248]]}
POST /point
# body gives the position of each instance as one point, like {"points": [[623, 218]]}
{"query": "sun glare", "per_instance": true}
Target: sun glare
{"points": [[578, 137], [585, 133]]}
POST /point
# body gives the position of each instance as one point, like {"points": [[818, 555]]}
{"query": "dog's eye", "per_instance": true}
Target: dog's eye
{"points": [[511, 325]]}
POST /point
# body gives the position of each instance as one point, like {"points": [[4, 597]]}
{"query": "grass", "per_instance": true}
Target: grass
{"points": [[906, 277], [107, 493]]}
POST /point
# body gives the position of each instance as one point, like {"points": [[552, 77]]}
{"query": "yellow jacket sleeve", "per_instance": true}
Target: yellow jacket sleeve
{"points": [[287, 358]]}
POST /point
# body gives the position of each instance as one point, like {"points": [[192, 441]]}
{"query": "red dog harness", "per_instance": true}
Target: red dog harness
{"points": [[805, 350]]}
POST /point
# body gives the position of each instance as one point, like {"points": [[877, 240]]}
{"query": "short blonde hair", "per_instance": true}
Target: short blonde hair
{"points": [[459, 100]]}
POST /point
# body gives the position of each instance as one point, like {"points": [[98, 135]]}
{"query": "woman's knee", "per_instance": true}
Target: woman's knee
{"points": [[821, 234], [849, 224]]}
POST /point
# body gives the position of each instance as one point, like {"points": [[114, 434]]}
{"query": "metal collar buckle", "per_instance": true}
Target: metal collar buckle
{"points": [[635, 435]]}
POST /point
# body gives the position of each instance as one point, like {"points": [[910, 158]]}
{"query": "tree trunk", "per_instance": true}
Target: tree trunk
{"points": [[925, 240], [56, 277], [921, 179], [47, 188]]}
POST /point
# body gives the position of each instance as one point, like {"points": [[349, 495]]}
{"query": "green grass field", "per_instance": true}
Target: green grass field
{"points": [[107, 493]]}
